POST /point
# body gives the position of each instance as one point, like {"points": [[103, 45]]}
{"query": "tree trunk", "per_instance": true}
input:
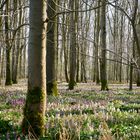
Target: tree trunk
{"points": [[104, 85], [34, 111], [20, 63], [72, 47], [8, 49], [0, 63], [51, 49], [121, 47], [64, 48], [137, 39], [24, 63], [8, 69], [131, 76], [18, 47], [97, 46]]}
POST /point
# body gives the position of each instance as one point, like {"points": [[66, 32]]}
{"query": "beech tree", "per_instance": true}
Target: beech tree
{"points": [[97, 33], [34, 111], [8, 48], [138, 45], [103, 63], [17, 45], [51, 48], [72, 46]]}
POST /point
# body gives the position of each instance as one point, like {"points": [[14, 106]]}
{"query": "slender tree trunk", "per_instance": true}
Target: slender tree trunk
{"points": [[57, 2], [24, 62], [121, 47], [8, 49], [18, 46], [20, 62], [131, 76], [97, 46], [0, 50], [78, 63], [77, 4], [104, 85], [2, 64], [64, 48], [14, 48], [72, 48], [51, 49]]}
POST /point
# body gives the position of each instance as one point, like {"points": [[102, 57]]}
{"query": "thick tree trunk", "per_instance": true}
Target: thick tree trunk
{"points": [[34, 111]]}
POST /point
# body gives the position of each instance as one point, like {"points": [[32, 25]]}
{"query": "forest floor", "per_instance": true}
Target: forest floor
{"points": [[85, 113]]}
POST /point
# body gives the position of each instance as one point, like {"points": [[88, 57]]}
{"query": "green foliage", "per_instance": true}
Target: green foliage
{"points": [[122, 130], [130, 107], [5, 126]]}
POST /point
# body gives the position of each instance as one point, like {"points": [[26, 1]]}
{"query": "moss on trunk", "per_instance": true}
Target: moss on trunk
{"points": [[52, 88], [34, 113]]}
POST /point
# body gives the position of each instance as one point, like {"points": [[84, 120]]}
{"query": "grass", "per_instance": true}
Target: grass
{"points": [[85, 113]]}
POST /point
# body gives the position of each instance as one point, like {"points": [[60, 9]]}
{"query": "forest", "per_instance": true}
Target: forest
{"points": [[69, 69]]}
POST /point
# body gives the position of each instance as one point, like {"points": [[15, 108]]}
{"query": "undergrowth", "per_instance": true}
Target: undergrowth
{"points": [[77, 115]]}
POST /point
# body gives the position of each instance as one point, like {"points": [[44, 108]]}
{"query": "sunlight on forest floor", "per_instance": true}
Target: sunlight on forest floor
{"points": [[84, 113]]}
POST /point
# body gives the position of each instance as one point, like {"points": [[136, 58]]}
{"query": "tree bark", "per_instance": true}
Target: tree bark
{"points": [[97, 46], [51, 49], [72, 81], [18, 47], [104, 85], [34, 111], [8, 50]]}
